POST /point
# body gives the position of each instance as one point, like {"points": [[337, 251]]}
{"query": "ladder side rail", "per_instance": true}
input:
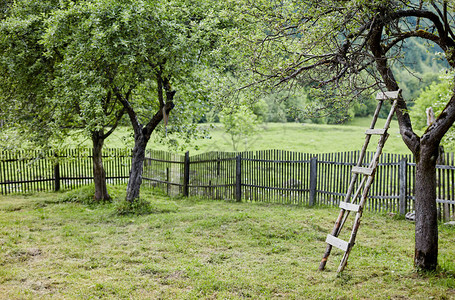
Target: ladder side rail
{"points": [[339, 223], [376, 114], [391, 113], [345, 217], [341, 217], [356, 225], [374, 164], [328, 249], [362, 152], [375, 160], [368, 137]]}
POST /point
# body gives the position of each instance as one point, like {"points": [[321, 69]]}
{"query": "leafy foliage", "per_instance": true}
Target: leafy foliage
{"points": [[83, 195], [240, 123], [346, 50], [138, 207], [25, 73], [436, 97]]}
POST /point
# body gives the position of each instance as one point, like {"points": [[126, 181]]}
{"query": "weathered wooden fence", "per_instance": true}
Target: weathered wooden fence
{"points": [[29, 171], [295, 178], [267, 176]]}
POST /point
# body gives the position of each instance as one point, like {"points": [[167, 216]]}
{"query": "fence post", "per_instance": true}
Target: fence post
{"points": [[238, 178], [313, 179], [402, 174], [168, 179], [186, 174], [56, 174]]}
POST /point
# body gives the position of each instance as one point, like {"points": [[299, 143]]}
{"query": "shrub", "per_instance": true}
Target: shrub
{"points": [[86, 195], [137, 207]]}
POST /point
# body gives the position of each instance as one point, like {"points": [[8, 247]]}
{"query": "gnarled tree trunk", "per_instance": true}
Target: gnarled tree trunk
{"points": [[426, 230], [142, 133], [99, 174], [137, 165]]}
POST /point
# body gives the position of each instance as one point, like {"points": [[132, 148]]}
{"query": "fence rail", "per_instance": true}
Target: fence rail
{"points": [[273, 176], [297, 178], [30, 171]]}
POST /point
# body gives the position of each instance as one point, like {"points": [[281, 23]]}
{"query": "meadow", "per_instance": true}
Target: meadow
{"points": [[53, 246], [299, 137]]}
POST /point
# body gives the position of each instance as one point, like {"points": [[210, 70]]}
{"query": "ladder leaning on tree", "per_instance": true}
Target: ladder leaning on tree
{"points": [[352, 201]]}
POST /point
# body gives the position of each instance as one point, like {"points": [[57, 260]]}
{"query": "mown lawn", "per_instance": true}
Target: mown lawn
{"points": [[200, 249]]}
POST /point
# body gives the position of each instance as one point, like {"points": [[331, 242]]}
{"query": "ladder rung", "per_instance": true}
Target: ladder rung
{"points": [[388, 95], [375, 131], [349, 206], [339, 243], [362, 170]]}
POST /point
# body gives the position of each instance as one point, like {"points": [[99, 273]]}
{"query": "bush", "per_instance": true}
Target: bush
{"points": [[84, 195], [137, 207]]}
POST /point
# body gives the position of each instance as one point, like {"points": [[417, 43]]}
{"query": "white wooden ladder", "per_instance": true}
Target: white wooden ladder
{"points": [[352, 201]]}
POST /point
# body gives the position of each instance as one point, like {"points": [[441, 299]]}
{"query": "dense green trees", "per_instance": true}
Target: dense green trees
{"points": [[139, 53], [239, 123], [43, 100], [83, 64]]}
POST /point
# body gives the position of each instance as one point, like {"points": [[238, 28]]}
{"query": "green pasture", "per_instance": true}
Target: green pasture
{"points": [[201, 249], [299, 137]]}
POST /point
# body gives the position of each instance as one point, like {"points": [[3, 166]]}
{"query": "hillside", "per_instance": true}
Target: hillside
{"points": [[309, 138]]}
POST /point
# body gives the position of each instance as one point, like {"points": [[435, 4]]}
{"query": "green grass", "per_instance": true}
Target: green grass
{"points": [[200, 249], [299, 137], [307, 138]]}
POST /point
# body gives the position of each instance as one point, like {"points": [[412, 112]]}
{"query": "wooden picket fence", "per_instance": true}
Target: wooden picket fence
{"points": [[272, 176], [277, 176], [30, 171]]}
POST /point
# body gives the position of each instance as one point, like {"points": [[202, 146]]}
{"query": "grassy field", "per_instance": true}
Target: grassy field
{"points": [[199, 249], [307, 138]]}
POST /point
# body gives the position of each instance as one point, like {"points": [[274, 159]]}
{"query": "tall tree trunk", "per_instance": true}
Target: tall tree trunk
{"points": [[142, 133], [137, 165], [426, 230], [99, 174]]}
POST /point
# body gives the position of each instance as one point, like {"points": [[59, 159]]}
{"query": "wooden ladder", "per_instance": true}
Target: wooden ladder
{"points": [[351, 202]]}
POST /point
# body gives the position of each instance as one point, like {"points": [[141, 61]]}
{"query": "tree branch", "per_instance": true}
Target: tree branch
{"points": [[159, 81], [410, 138], [129, 109], [157, 118], [445, 41], [117, 121], [417, 33]]}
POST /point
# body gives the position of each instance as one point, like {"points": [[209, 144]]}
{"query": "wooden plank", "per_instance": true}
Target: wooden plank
{"points": [[362, 170], [388, 95], [313, 180], [379, 131], [349, 206], [336, 242]]}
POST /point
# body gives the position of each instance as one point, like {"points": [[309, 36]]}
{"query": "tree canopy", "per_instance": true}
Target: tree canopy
{"points": [[139, 53], [85, 63]]}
